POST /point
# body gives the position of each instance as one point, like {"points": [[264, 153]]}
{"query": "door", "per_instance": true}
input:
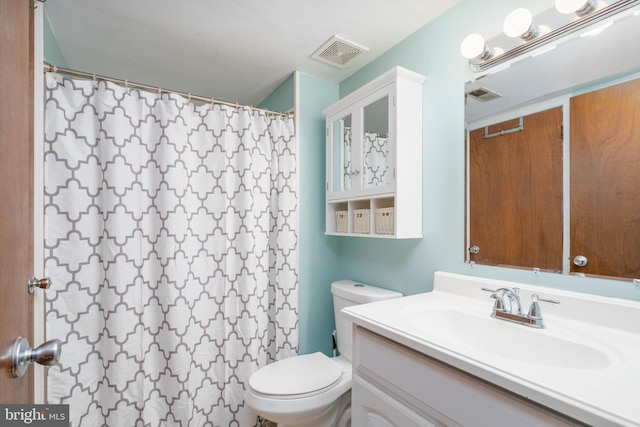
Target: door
{"points": [[605, 178], [16, 191], [515, 187]]}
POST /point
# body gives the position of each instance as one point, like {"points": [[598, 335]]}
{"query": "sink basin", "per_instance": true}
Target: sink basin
{"points": [[471, 333]]}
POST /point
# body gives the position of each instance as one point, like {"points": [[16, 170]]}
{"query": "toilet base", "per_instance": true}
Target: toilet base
{"points": [[337, 414], [326, 417]]}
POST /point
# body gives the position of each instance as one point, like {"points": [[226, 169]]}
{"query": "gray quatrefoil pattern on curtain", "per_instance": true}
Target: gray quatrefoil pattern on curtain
{"points": [[171, 240]]}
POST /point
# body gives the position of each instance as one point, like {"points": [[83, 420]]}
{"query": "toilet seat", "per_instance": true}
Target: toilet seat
{"points": [[296, 377]]}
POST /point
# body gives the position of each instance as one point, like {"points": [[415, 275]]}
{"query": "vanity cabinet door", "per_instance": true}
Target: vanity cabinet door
{"points": [[605, 181], [372, 408]]}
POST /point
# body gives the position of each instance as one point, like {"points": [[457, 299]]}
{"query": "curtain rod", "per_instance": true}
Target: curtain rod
{"points": [[55, 69]]}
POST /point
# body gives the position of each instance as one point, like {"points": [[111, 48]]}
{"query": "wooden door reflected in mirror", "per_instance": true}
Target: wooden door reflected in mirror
{"points": [[515, 192], [605, 181]]}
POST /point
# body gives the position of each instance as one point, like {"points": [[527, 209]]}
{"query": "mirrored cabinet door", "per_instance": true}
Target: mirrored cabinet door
{"points": [[359, 147], [342, 154], [375, 144]]}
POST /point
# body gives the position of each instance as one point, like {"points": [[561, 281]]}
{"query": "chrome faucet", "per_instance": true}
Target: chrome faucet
{"points": [[507, 306], [507, 297]]}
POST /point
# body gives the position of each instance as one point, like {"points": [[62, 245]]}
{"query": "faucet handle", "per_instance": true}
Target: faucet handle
{"points": [[497, 294], [534, 308], [535, 298]]}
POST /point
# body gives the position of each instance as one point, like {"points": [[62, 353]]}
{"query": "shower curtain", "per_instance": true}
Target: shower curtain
{"points": [[171, 240]]}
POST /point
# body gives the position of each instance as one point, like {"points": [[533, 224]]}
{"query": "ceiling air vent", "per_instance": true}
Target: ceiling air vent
{"points": [[483, 94], [339, 52]]}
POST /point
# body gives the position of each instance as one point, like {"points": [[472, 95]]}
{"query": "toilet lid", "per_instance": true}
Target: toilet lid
{"points": [[296, 375]]}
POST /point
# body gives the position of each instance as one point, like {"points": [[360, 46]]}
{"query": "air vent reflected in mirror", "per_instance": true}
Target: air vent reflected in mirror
{"points": [[484, 94]]}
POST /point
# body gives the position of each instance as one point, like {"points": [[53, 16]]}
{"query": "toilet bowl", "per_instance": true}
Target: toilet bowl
{"points": [[303, 390], [314, 390]]}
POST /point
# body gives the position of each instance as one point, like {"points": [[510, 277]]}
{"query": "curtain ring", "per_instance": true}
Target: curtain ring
{"points": [[189, 96], [126, 85]]}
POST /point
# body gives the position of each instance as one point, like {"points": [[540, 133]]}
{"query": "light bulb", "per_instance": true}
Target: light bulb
{"points": [[519, 23], [579, 7], [474, 46]]}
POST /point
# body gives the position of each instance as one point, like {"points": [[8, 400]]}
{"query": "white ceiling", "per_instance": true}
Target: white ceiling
{"points": [[233, 50]]}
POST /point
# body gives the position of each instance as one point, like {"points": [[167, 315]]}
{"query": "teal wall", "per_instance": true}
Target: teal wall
{"points": [[282, 99], [319, 254], [52, 53]]}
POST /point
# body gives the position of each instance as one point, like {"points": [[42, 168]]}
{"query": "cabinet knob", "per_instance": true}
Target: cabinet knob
{"points": [[474, 249]]}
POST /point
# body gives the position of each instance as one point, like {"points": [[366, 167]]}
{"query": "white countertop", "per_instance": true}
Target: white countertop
{"points": [[597, 379]]}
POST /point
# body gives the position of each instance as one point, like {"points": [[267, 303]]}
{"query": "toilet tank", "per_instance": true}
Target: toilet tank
{"points": [[347, 293]]}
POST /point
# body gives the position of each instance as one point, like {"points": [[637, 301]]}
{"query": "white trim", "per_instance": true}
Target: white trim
{"points": [[558, 101], [297, 107], [39, 332], [467, 196], [566, 186]]}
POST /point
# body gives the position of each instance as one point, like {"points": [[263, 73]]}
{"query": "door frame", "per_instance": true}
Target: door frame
{"points": [[39, 331]]}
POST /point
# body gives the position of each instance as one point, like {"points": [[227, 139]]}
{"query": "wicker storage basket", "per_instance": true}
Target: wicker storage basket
{"points": [[342, 223], [384, 221], [362, 221]]}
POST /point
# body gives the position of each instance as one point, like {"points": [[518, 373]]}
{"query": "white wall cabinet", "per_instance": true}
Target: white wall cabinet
{"points": [[397, 386], [374, 159]]}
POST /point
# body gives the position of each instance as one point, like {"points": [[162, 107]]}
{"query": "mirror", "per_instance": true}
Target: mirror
{"points": [[375, 147], [342, 168], [573, 67]]}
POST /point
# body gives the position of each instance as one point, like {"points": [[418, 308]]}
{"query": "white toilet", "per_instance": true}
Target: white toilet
{"points": [[314, 390]]}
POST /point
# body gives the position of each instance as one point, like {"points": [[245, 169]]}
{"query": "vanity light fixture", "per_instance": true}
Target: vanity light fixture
{"points": [[579, 7], [474, 46], [519, 23]]}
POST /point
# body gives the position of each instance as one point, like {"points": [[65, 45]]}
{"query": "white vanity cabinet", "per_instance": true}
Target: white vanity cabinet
{"points": [[374, 159], [394, 385]]}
